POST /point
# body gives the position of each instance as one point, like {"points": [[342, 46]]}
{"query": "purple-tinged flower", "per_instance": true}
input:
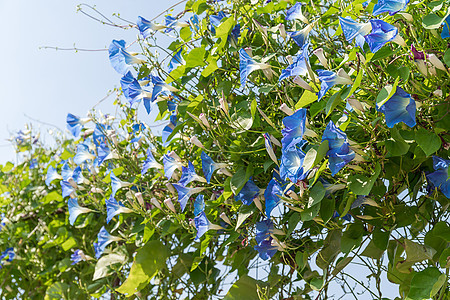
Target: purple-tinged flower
{"points": [[328, 79], [248, 192], [67, 188], [188, 175], [75, 210], [439, 178], [146, 28], [77, 256], [209, 166], [272, 195], [299, 65], [292, 163], [265, 249], [199, 204], [75, 124], [300, 37], [170, 165], [184, 193], [295, 12], [83, 154], [121, 60], [381, 34], [445, 31], [171, 23], [339, 152], [176, 61], [399, 108], [247, 65], [294, 128], [201, 224], [113, 208], [52, 174], [104, 239], [150, 163], [391, 6], [354, 30]]}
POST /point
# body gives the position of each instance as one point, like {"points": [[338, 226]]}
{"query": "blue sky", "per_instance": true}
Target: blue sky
{"points": [[47, 84]]}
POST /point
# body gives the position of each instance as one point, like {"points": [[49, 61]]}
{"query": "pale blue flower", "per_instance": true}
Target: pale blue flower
{"points": [[77, 256], [75, 210], [113, 208], [184, 193], [104, 239], [121, 60], [52, 174], [295, 12], [150, 163], [8, 254], [300, 37], [172, 23], [160, 87], [170, 165], [263, 230], [116, 184], [199, 204], [292, 163], [399, 108], [146, 28], [354, 30], [381, 34], [201, 224], [134, 92], [328, 79], [83, 154], [272, 195], [209, 166], [75, 124], [176, 61], [391, 6], [215, 20], [189, 175], [439, 178], [247, 65], [299, 65], [445, 31], [67, 188]]}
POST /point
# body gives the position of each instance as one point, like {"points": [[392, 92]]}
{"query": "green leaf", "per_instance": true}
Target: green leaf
{"points": [[362, 185], [417, 252], [447, 57], [7, 167], [223, 30], [432, 21], [69, 244], [428, 141], [185, 33], [240, 178], [422, 283], [332, 247], [308, 97], [195, 57], [352, 237], [381, 238], [244, 288], [244, 212], [396, 145], [210, 68], [148, 261], [57, 291], [357, 83], [372, 251], [104, 268]]}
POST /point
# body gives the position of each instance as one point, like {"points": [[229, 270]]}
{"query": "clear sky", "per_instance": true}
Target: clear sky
{"points": [[47, 84]]}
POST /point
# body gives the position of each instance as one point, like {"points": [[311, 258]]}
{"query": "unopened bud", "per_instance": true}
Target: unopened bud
{"points": [[224, 217], [303, 84], [205, 122], [321, 57], [258, 204], [170, 188], [286, 109], [174, 156], [437, 93], [169, 204], [155, 203], [292, 194], [224, 105], [194, 140], [435, 61], [140, 199]]}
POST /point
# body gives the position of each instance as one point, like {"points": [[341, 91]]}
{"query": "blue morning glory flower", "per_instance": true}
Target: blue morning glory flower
{"points": [[184, 193], [146, 28], [121, 60], [113, 208], [265, 249], [167, 130], [133, 91], [177, 60], [116, 184], [339, 152], [354, 30], [160, 87], [77, 256], [171, 23], [201, 224], [263, 230], [83, 154], [300, 37], [52, 174], [292, 163], [399, 108], [104, 153], [328, 79], [248, 192], [194, 22], [445, 31], [66, 172], [104, 239], [298, 67], [439, 178], [170, 165], [347, 217], [295, 12], [75, 210], [189, 175], [381, 34], [209, 166], [247, 65], [294, 128], [272, 195], [67, 188], [199, 204], [33, 164], [75, 124], [150, 162], [8, 254], [391, 6], [99, 134]]}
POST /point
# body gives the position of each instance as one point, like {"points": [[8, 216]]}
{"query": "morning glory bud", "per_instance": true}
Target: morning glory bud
{"points": [[286, 109], [171, 188], [184, 193], [169, 204], [104, 239], [113, 208], [52, 174], [292, 194], [269, 148], [439, 178], [391, 6], [156, 203], [321, 57], [204, 120], [225, 218], [140, 199], [303, 84], [399, 108], [301, 36], [150, 163], [209, 166], [146, 28], [195, 141], [247, 65], [435, 61], [75, 210], [295, 12]]}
